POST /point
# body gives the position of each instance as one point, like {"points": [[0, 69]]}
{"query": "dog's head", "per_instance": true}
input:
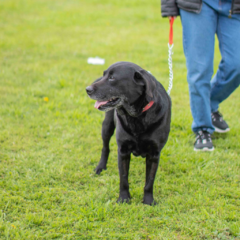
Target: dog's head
{"points": [[121, 83]]}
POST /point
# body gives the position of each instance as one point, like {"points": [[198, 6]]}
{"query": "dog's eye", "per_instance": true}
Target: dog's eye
{"points": [[111, 78]]}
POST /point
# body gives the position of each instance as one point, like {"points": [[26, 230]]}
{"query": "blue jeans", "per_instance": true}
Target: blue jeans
{"points": [[198, 42]]}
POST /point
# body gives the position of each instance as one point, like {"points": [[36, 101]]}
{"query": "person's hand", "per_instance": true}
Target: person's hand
{"points": [[170, 17]]}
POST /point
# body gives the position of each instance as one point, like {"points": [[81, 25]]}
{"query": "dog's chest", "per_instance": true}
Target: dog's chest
{"points": [[134, 126], [139, 147], [134, 137]]}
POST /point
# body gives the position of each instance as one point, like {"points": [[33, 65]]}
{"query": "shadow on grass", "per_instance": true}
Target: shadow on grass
{"points": [[220, 135]]}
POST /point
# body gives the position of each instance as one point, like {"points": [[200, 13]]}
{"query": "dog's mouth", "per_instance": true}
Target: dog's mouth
{"points": [[103, 105]]}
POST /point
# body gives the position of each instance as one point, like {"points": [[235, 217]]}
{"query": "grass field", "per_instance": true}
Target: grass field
{"points": [[50, 137]]}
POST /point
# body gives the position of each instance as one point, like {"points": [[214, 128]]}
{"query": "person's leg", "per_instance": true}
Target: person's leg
{"points": [[227, 78], [198, 42]]}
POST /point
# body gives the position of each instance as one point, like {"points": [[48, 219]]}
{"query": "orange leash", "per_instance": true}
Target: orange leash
{"points": [[170, 53], [171, 31]]}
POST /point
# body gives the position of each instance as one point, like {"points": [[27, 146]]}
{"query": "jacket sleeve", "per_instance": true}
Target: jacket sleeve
{"points": [[169, 8]]}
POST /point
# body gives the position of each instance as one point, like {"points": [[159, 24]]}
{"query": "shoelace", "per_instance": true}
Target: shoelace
{"points": [[203, 136], [217, 116]]}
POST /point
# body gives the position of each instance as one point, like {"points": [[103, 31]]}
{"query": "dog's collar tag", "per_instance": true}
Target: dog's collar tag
{"points": [[148, 106]]}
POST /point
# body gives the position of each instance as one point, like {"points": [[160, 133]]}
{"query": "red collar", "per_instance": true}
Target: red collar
{"points": [[148, 106]]}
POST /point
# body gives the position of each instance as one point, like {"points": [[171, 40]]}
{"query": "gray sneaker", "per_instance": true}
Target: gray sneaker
{"points": [[203, 141], [218, 122]]}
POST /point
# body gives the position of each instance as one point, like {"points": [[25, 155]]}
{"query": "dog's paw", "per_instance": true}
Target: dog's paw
{"points": [[124, 198], [99, 169], [148, 199]]}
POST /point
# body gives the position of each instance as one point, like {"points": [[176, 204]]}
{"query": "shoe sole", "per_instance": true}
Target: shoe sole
{"points": [[218, 130], [205, 149]]}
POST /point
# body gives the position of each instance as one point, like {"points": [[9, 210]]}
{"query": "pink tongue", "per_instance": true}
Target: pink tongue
{"points": [[98, 104]]}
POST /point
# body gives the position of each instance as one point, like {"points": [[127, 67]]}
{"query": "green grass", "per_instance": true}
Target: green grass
{"points": [[48, 149]]}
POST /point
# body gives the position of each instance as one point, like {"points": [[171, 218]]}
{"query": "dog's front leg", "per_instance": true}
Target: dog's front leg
{"points": [[123, 166], [107, 132], [151, 169]]}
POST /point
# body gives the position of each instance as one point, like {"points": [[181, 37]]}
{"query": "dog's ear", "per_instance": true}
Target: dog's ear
{"points": [[143, 78]]}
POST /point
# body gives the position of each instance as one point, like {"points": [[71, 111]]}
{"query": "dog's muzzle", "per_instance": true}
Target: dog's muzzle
{"points": [[89, 90]]}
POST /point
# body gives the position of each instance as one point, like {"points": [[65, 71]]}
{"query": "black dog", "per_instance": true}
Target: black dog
{"points": [[140, 109]]}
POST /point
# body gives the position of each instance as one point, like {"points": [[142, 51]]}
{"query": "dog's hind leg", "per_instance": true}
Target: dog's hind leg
{"points": [[151, 169], [107, 132]]}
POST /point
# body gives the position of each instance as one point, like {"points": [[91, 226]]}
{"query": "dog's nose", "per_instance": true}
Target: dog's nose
{"points": [[89, 90]]}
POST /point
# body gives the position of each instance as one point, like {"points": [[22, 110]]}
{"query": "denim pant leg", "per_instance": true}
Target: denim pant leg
{"points": [[227, 78], [198, 43]]}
